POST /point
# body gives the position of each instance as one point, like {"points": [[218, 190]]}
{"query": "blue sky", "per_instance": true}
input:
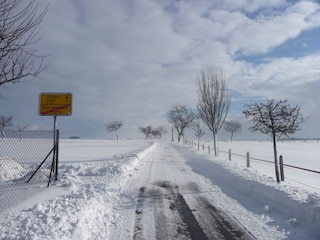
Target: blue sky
{"points": [[132, 60]]}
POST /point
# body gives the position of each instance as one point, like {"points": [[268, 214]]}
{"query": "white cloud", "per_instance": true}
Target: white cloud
{"points": [[132, 60], [264, 33], [279, 77], [251, 6]]}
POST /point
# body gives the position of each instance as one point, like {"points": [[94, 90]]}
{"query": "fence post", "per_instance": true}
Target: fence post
{"points": [[57, 154], [248, 159], [202, 147], [281, 167], [229, 154], [209, 149]]}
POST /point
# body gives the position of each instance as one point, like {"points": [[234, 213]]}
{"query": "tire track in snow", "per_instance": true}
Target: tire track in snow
{"points": [[216, 223], [138, 217], [160, 218], [225, 228], [165, 198], [189, 219]]}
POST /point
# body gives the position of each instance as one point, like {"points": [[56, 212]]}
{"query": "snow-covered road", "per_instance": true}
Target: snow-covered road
{"points": [[172, 202]]}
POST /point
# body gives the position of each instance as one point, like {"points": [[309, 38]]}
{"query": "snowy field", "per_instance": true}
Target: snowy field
{"points": [[96, 196], [302, 154]]}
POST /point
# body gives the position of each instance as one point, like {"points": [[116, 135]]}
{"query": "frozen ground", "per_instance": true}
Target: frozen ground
{"points": [[138, 189]]}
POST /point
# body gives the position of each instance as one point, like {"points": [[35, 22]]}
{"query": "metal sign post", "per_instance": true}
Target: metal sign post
{"points": [[54, 128], [54, 104]]}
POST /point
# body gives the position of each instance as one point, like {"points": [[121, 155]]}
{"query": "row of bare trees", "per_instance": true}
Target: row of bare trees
{"points": [[275, 118], [212, 108], [150, 131]]}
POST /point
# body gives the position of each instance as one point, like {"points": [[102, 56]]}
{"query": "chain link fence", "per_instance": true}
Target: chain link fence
{"points": [[21, 152]]}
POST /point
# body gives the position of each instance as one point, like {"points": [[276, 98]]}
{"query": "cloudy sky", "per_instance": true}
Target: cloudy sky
{"points": [[132, 60]]}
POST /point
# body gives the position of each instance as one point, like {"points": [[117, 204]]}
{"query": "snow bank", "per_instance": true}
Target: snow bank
{"points": [[10, 169], [78, 206], [282, 203], [282, 199]]}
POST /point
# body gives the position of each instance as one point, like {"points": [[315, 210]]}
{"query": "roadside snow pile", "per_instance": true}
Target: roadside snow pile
{"points": [[110, 169], [81, 205], [10, 169], [281, 198], [267, 197]]}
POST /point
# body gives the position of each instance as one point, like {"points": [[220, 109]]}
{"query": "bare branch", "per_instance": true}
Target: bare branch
{"points": [[181, 117], [114, 126], [213, 100], [19, 24], [275, 119], [232, 126]]}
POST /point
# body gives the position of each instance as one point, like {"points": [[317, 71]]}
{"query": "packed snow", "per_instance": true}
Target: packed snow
{"points": [[95, 196], [10, 169]]}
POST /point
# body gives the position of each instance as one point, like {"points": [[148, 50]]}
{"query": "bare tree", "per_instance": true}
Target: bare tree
{"points": [[180, 117], [114, 126], [276, 118], [160, 131], [21, 130], [146, 131], [5, 122], [232, 127], [155, 132], [19, 23], [198, 131], [213, 100]]}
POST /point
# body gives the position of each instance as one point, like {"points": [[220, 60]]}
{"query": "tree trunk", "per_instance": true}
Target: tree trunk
{"points": [[215, 144], [117, 136], [275, 157], [198, 143], [172, 134]]}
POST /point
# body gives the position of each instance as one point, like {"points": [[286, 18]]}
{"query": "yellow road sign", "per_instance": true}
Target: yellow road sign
{"points": [[59, 104]]}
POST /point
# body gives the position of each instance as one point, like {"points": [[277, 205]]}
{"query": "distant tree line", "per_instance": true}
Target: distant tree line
{"points": [[150, 131]]}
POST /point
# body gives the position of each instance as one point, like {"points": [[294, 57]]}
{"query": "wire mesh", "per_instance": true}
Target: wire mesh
{"points": [[20, 155]]}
